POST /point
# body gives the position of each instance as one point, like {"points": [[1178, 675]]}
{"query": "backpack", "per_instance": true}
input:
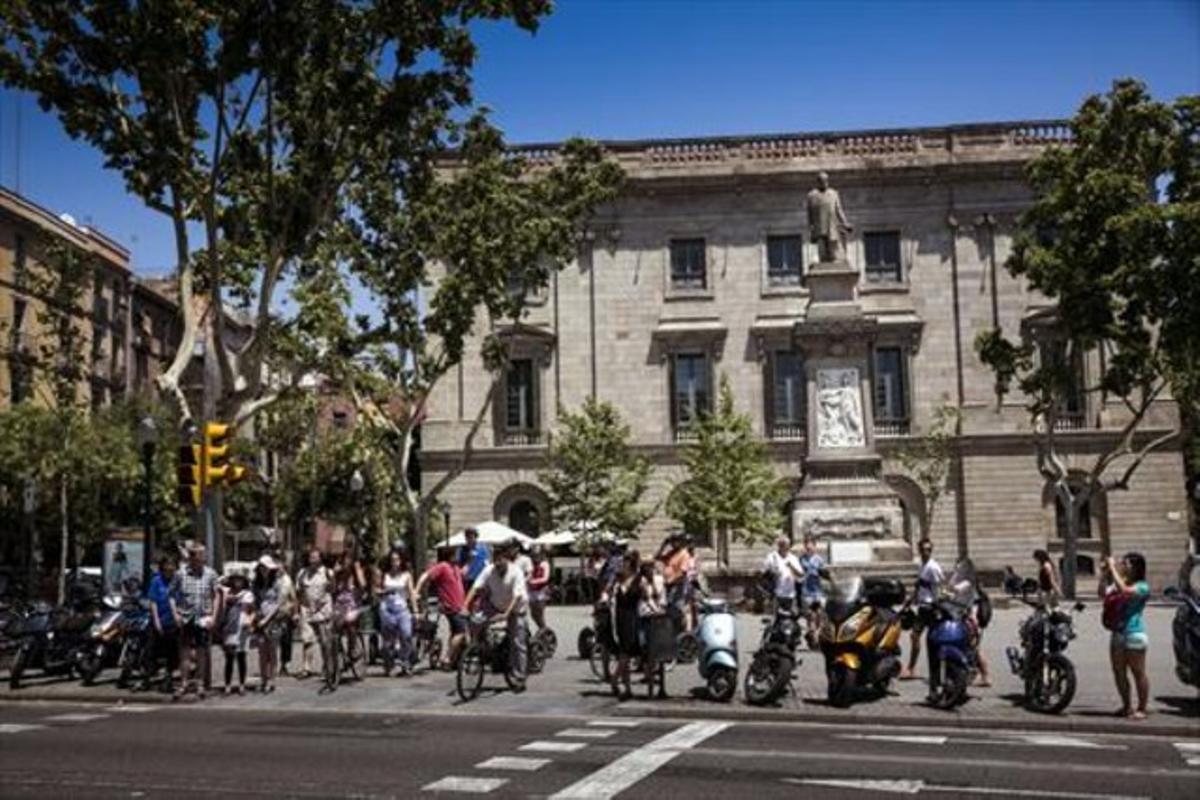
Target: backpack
{"points": [[1113, 617]]}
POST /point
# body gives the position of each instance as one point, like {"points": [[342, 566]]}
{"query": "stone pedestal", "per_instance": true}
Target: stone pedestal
{"points": [[844, 503]]}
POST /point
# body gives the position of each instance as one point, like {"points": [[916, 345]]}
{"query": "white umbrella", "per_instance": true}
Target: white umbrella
{"points": [[556, 538], [492, 532]]}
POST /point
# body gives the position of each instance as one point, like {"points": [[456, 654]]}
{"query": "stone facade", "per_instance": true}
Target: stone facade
{"points": [[691, 274]]}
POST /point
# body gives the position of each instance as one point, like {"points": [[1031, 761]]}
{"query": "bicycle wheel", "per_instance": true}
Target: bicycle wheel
{"points": [[536, 658], [356, 652], [435, 653], [548, 639], [471, 666]]}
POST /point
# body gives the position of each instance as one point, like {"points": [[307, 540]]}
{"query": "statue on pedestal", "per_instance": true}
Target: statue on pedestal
{"points": [[827, 221]]}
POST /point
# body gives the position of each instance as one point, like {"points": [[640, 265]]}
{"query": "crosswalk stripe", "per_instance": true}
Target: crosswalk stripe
{"points": [[514, 763], [131, 709], [585, 733], [17, 727], [76, 717], [1189, 752], [474, 785], [553, 747], [614, 723]]}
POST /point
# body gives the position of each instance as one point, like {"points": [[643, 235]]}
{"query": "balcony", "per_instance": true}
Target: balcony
{"points": [[685, 434], [788, 430], [785, 279], [520, 438], [889, 428], [1070, 421]]}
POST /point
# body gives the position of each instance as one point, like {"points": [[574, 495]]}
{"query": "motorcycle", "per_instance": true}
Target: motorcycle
{"points": [[860, 637], [1185, 628], [772, 665], [1041, 662], [137, 649], [51, 639], [104, 640], [717, 657]]}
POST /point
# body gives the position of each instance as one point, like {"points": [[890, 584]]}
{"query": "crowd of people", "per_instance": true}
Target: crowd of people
{"points": [[194, 610]]}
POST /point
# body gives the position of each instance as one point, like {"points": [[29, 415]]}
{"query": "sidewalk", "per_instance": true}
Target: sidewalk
{"points": [[567, 687]]}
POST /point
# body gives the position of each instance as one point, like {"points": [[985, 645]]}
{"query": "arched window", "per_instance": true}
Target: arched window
{"points": [[523, 507]]}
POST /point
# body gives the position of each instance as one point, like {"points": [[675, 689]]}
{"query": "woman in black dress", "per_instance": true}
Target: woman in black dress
{"points": [[628, 593]]}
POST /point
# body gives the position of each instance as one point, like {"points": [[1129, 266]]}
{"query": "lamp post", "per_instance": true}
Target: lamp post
{"points": [[147, 439], [357, 484], [446, 520]]}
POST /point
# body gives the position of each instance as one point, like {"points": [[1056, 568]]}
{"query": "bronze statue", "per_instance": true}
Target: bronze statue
{"points": [[827, 221]]}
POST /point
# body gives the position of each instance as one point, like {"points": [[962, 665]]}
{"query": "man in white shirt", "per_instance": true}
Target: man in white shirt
{"points": [[930, 578], [502, 586], [784, 568]]}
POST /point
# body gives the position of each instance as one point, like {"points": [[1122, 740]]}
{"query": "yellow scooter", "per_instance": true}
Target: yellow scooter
{"points": [[860, 637]]}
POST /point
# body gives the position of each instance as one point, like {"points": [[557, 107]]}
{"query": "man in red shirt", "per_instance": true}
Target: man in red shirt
{"points": [[447, 581]]}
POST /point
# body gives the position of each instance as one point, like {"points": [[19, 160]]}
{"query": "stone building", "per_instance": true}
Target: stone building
{"points": [[700, 269], [127, 334]]}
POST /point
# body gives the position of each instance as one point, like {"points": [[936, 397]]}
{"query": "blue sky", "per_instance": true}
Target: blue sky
{"points": [[623, 69]]}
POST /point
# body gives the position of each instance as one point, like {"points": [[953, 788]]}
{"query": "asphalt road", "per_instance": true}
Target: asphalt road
{"points": [[65, 750]]}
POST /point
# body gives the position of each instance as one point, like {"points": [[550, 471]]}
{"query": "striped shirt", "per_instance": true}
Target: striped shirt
{"points": [[194, 593]]}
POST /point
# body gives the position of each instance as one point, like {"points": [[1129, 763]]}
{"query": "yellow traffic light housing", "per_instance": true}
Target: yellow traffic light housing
{"points": [[191, 487], [216, 452]]}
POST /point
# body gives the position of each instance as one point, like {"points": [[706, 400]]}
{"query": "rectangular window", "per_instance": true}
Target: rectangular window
{"points": [[20, 377], [691, 396], [688, 267], [788, 395], [520, 416], [882, 249], [1072, 406], [785, 255], [20, 256], [141, 370], [891, 391]]}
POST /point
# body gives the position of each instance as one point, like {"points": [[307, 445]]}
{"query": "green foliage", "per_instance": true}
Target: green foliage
{"points": [[594, 480], [731, 484], [928, 458], [1113, 236]]}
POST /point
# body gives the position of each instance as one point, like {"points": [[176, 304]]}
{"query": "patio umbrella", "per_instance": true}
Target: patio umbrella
{"points": [[492, 532]]}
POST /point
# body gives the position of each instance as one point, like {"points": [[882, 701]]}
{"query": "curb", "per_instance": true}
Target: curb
{"points": [[1031, 723], [34, 696]]}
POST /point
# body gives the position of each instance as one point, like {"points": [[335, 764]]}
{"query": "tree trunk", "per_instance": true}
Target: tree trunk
{"points": [[420, 537], [723, 547], [1073, 503]]}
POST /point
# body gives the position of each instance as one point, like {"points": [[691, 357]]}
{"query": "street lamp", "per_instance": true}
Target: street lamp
{"points": [[147, 440], [446, 520]]}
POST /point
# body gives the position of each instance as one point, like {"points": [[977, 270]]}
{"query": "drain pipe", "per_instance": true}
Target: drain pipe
{"points": [[959, 476]]}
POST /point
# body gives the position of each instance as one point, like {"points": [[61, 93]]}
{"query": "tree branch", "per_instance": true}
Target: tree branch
{"points": [[467, 448], [168, 381], [1153, 444]]}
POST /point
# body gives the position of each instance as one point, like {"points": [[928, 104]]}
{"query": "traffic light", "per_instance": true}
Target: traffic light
{"points": [[216, 452], [190, 486]]}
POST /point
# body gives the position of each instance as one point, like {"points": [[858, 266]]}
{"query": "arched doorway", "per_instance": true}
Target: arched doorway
{"points": [[523, 507]]}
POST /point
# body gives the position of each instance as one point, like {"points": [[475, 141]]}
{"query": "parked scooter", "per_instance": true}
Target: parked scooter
{"points": [[860, 637], [103, 644], [137, 650], [951, 641], [52, 640], [1041, 662], [717, 659], [1185, 628], [772, 666]]}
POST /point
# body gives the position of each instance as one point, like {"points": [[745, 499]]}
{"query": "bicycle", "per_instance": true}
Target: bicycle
{"points": [[426, 643], [488, 648]]}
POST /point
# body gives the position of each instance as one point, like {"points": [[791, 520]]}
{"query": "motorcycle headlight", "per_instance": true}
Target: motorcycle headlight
{"points": [[850, 628]]}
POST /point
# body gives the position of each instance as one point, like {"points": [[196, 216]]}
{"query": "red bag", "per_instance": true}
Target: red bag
{"points": [[1113, 618]]}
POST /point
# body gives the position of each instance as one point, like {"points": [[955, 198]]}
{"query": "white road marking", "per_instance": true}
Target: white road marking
{"points": [[614, 723], [1051, 740], [632, 767], [585, 733], [553, 747], [895, 738], [472, 785], [17, 727], [919, 786], [76, 717], [131, 709], [513, 763], [1189, 752]]}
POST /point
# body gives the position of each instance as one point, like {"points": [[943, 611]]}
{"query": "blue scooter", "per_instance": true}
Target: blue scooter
{"points": [[952, 660], [717, 660]]}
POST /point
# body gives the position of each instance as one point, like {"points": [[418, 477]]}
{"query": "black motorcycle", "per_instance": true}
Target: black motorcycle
{"points": [[1041, 662], [1185, 628], [51, 640], [772, 665]]}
